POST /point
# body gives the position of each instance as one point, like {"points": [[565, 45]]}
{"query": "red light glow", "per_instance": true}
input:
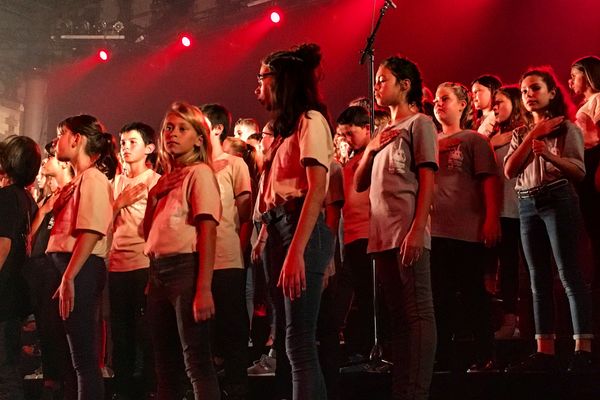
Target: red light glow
{"points": [[275, 17]]}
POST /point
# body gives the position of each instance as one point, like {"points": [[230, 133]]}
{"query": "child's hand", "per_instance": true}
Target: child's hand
{"points": [[545, 126], [412, 247], [63, 197], [66, 297], [257, 250], [203, 306], [130, 195], [292, 279], [168, 182], [49, 203], [539, 148], [491, 232]]}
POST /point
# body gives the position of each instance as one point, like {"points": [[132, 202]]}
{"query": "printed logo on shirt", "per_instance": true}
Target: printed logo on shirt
{"points": [[397, 164], [455, 160]]}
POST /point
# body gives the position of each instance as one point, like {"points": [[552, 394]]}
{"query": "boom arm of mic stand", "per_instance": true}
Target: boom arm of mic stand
{"points": [[368, 52]]}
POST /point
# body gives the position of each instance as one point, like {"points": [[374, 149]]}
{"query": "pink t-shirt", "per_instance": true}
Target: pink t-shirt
{"points": [[356, 207], [233, 180], [87, 208], [287, 176], [173, 228], [127, 251]]}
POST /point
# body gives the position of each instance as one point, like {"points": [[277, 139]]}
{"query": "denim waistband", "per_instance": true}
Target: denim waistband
{"points": [[534, 191]]}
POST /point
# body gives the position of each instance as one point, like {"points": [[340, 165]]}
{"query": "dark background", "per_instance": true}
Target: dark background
{"points": [[450, 40]]}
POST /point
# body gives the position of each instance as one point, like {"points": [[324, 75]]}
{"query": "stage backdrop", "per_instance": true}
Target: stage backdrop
{"points": [[450, 40]]}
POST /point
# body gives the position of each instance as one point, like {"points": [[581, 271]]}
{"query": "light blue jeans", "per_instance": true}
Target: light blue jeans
{"points": [[551, 223]]}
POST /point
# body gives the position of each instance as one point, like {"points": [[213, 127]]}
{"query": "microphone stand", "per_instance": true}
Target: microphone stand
{"points": [[376, 363]]}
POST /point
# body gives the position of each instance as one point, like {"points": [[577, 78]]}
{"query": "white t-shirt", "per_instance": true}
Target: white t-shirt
{"points": [[127, 251], [395, 184], [587, 120]]}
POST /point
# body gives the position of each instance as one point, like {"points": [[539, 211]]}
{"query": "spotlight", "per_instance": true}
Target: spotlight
{"points": [[275, 17], [103, 55], [186, 41]]}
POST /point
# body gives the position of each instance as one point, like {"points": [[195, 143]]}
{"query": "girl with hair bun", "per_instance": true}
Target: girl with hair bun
{"points": [[546, 157], [483, 90], [290, 199], [78, 243]]}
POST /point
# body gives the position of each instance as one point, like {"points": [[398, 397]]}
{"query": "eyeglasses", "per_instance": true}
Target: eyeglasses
{"points": [[260, 77]]}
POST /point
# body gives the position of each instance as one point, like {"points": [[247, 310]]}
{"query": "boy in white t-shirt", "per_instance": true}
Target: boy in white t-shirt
{"points": [[128, 265], [233, 235]]}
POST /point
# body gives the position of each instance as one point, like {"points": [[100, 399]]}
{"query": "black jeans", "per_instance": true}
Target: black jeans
{"points": [[232, 327], [83, 325], [457, 269], [177, 338], [11, 383], [507, 254], [355, 286], [129, 330]]}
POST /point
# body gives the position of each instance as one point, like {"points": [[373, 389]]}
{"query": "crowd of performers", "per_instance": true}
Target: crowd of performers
{"points": [[449, 184]]}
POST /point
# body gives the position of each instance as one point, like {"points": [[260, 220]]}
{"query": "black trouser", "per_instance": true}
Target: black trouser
{"points": [[130, 333], [355, 286], [232, 327], [457, 269]]}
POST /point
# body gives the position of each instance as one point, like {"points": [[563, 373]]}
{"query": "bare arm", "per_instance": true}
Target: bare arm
{"points": [[293, 279], [516, 162], [203, 305], [491, 196], [5, 245], [570, 170], [412, 245], [84, 244]]}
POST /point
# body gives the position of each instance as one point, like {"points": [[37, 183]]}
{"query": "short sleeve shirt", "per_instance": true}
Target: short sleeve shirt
{"points": [[458, 203], [17, 210], [335, 192], [127, 250], [87, 207], [587, 120], [234, 180], [395, 184], [173, 228], [566, 142], [356, 205], [287, 176]]}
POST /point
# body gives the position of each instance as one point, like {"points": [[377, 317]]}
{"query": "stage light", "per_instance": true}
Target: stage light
{"points": [[275, 17], [103, 55], [186, 41]]}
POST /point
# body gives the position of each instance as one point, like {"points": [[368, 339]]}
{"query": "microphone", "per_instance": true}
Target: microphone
{"points": [[391, 3]]}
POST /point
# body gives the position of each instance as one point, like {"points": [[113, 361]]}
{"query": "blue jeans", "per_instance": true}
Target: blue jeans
{"points": [[301, 315], [408, 295], [177, 338], [551, 222], [83, 325]]}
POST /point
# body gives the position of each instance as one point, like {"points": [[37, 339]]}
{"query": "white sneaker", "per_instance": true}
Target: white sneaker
{"points": [[263, 367], [37, 374]]}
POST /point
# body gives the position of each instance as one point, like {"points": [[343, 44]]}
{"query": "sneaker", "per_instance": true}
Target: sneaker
{"points": [[581, 362], [263, 367], [107, 372], [537, 362], [37, 374], [485, 366]]}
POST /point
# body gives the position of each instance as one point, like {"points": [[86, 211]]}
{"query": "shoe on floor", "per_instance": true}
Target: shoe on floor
{"points": [[581, 362], [537, 362], [484, 366], [263, 367]]}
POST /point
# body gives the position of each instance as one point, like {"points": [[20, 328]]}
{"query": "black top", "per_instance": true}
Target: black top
{"points": [[17, 210]]}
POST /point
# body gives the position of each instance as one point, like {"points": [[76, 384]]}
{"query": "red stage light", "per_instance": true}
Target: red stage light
{"points": [[186, 41], [103, 55], [275, 17]]}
